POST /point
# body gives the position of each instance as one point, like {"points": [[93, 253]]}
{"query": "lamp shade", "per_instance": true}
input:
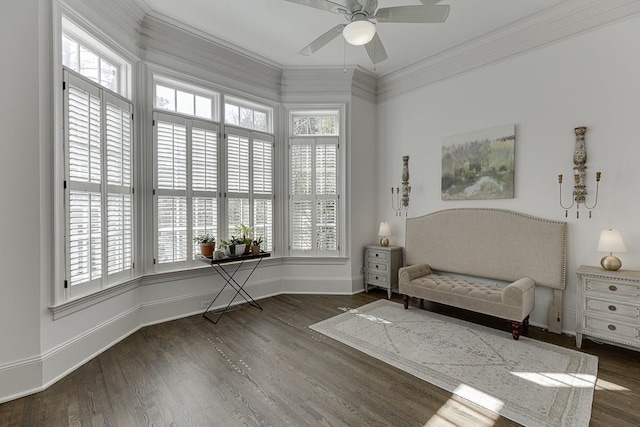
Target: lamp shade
{"points": [[358, 33], [611, 241], [384, 230]]}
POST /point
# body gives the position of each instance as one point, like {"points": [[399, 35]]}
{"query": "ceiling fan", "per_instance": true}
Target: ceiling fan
{"points": [[361, 30]]}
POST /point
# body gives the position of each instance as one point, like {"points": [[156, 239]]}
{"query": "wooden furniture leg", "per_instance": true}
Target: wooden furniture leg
{"points": [[405, 299]]}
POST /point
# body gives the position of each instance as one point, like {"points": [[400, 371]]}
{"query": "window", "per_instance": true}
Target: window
{"points": [[186, 185], [202, 185], [314, 186], [250, 183], [88, 57], [247, 115], [185, 99], [98, 143]]}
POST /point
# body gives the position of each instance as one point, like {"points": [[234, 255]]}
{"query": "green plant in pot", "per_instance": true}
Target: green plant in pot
{"points": [[236, 246], [207, 244], [255, 246], [247, 236]]}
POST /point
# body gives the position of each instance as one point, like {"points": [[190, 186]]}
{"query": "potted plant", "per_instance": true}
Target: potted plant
{"points": [[255, 246], [236, 246], [247, 236], [207, 244]]}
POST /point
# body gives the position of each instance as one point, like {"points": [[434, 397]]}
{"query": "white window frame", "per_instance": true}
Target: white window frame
{"points": [[123, 66], [251, 195], [224, 228], [313, 140], [74, 80], [189, 193], [66, 21]]}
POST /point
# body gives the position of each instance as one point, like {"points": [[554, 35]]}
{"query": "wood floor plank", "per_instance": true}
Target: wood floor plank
{"points": [[268, 368]]}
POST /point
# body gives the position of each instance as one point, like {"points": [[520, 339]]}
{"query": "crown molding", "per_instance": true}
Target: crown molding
{"points": [[171, 44], [570, 18]]}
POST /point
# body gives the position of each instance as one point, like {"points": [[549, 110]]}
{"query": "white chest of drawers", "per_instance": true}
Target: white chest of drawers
{"points": [[608, 305], [381, 265]]}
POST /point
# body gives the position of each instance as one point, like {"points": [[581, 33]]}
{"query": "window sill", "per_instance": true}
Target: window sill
{"points": [[80, 303]]}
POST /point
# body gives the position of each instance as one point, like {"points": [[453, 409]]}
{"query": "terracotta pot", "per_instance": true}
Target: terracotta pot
{"points": [[255, 250], [206, 249]]}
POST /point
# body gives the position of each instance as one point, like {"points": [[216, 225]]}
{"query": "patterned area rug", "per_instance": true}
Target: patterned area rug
{"points": [[528, 381]]}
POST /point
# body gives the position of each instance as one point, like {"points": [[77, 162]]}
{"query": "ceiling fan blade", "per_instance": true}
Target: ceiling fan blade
{"points": [[327, 5], [315, 45], [416, 14], [375, 49], [369, 6]]}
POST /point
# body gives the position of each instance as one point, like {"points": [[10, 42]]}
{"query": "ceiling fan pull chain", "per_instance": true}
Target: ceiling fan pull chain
{"points": [[344, 60]]}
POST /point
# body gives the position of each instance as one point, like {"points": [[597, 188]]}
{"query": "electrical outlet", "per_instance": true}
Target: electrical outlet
{"points": [[205, 304]]}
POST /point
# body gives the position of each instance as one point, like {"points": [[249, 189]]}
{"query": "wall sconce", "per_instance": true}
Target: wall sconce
{"points": [[384, 231], [580, 175], [398, 204], [611, 241]]}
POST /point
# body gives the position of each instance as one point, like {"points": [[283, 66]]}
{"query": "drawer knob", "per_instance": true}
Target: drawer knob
{"points": [[377, 255], [377, 266], [613, 288], [612, 327], [613, 308], [376, 277]]}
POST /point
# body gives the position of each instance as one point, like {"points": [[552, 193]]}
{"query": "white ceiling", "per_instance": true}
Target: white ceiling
{"points": [[278, 29]]}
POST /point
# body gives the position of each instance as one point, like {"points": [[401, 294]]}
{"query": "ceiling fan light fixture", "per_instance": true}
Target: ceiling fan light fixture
{"points": [[359, 33]]}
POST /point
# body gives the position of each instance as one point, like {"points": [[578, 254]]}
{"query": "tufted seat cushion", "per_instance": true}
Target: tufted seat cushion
{"points": [[461, 287]]}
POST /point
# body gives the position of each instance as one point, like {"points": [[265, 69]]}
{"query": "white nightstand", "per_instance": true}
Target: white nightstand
{"points": [[608, 305], [381, 265]]}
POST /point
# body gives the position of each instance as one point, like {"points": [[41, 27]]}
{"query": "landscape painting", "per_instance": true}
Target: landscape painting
{"points": [[479, 165]]}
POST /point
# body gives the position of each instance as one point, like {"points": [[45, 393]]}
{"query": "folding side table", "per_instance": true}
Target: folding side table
{"points": [[228, 275]]}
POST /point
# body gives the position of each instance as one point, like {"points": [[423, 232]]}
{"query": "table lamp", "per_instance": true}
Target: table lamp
{"points": [[611, 241], [384, 231]]}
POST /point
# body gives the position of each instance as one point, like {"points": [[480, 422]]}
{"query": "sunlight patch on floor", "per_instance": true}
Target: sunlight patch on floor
{"points": [[365, 316], [609, 386], [558, 379], [456, 411]]}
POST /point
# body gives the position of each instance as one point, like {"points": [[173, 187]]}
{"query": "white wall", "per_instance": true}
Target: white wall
{"points": [[590, 80], [21, 255]]}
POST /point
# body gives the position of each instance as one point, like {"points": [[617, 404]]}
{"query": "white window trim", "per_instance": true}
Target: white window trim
{"points": [[59, 296], [290, 111]]}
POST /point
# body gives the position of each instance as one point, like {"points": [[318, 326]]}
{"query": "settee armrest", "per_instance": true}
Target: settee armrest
{"points": [[407, 274], [518, 292]]}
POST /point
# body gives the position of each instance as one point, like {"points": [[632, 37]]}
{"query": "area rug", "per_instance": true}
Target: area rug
{"points": [[530, 382]]}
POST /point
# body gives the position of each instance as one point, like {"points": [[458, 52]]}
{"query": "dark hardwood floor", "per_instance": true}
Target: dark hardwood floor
{"points": [[268, 368]]}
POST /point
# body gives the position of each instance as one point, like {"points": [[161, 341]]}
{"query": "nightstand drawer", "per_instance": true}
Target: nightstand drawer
{"points": [[611, 327], [378, 279], [376, 266], [373, 255], [630, 312], [612, 288]]}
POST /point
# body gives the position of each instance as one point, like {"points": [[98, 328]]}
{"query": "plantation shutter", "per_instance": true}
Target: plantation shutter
{"points": [[98, 130], [326, 189], [171, 188], [314, 196], [262, 182], [204, 180], [119, 189], [237, 179]]}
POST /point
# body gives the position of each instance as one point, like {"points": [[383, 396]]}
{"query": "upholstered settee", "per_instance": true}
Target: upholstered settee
{"points": [[513, 302], [495, 244]]}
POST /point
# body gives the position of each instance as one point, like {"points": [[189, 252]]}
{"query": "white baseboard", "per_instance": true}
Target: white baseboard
{"points": [[28, 376], [35, 374]]}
